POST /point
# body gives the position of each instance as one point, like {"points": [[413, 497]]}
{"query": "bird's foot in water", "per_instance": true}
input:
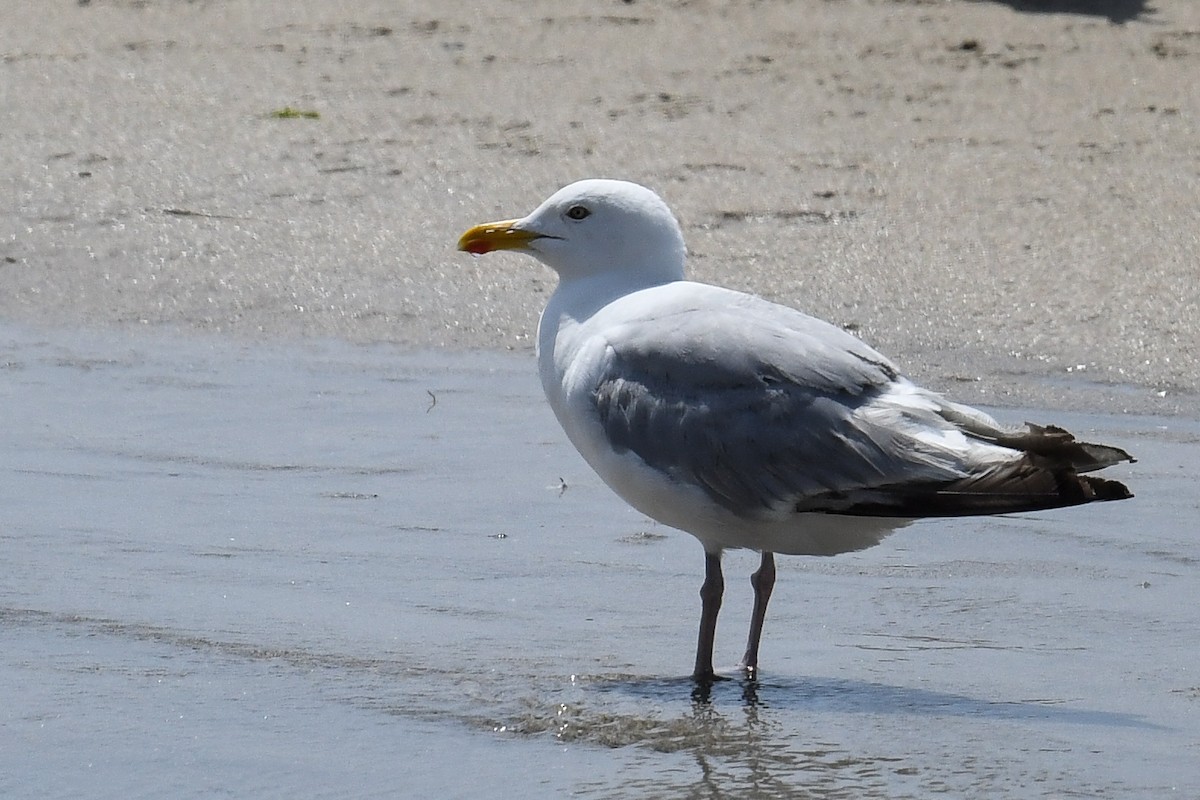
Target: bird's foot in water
{"points": [[704, 683]]}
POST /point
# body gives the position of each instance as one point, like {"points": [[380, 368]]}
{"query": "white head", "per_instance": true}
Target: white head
{"points": [[593, 227]]}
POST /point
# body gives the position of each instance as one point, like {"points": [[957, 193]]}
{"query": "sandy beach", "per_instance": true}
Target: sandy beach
{"points": [[984, 193], [283, 513]]}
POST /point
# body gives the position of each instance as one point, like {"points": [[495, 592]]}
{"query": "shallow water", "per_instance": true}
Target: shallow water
{"points": [[322, 570]]}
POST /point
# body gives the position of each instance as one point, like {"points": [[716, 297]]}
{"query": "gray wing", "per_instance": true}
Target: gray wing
{"points": [[769, 409], [751, 401]]}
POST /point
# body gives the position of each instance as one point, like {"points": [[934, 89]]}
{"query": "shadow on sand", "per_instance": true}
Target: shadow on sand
{"points": [[1116, 11], [843, 695]]}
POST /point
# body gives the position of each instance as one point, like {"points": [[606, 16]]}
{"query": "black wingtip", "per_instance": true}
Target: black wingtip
{"points": [[1061, 446], [1104, 489], [1034, 483]]}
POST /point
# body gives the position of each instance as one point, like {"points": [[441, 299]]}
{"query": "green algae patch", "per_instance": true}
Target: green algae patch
{"points": [[287, 112]]}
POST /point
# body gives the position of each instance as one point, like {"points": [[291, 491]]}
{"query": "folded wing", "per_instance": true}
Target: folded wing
{"points": [[784, 413]]}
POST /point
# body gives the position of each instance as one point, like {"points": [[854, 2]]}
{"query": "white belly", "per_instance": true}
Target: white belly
{"points": [[569, 379]]}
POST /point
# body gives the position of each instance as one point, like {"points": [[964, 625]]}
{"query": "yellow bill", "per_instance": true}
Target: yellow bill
{"points": [[495, 236]]}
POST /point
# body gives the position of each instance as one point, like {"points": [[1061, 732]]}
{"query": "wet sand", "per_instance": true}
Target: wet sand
{"points": [[284, 513], [328, 570]]}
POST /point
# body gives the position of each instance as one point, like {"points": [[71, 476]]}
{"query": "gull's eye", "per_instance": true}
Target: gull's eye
{"points": [[577, 212]]}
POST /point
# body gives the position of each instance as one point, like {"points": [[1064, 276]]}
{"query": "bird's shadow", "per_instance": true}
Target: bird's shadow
{"points": [[1116, 11], [847, 695]]}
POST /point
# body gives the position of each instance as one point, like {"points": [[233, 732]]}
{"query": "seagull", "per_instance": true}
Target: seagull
{"points": [[750, 424]]}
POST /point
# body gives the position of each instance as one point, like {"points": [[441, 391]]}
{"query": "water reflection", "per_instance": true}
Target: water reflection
{"points": [[736, 742], [802, 737]]}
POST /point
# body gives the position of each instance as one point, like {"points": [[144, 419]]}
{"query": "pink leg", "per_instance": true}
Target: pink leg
{"points": [[710, 605], [763, 582]]}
